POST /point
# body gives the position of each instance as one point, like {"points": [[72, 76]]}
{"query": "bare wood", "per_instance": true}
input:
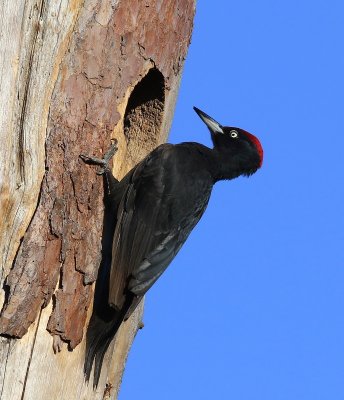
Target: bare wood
{"points": [[74, 74], [34, 39]]}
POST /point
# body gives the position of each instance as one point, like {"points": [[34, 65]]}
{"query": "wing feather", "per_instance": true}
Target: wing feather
{"points": [[151, 225]]}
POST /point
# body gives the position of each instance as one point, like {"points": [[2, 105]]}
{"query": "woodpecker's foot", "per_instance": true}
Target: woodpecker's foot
{"points": [[103, 162]]}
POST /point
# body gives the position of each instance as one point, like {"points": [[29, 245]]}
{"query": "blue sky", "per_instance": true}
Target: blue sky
{"points": [[252, 307]]}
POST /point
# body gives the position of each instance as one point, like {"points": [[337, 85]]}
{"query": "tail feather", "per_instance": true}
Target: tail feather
{"points": [[100, 332], [98, 362], [97, 335]]}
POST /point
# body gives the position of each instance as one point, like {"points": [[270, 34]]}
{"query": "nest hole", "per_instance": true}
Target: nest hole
{"points": [[143, 115]]}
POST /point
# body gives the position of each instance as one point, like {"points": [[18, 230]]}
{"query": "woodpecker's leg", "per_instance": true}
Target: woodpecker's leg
{"points": [[103, 162], [110, 181]]}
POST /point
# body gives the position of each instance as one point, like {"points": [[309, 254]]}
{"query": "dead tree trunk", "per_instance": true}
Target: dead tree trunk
{"points": [[74, 74]]}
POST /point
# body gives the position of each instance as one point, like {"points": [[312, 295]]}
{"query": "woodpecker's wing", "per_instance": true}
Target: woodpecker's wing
{"points": [[156, 214]]}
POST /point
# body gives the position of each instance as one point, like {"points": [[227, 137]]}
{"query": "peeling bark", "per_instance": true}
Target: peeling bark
{"points": [[84, 72]]}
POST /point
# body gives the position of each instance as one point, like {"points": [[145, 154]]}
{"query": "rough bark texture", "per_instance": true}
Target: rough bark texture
{"points": [[74, 74]]}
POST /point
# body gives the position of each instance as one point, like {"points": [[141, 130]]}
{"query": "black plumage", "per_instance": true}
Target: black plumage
{"points": [[148, 216]]}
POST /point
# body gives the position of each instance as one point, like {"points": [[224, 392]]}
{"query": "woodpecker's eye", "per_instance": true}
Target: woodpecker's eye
{"points": [[234, 134]]}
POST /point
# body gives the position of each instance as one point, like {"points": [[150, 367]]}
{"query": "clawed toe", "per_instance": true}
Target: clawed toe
{"points": [[102, 162]]}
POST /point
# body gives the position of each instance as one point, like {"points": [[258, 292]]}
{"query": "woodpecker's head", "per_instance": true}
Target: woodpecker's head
{"points": [[241, 149]]}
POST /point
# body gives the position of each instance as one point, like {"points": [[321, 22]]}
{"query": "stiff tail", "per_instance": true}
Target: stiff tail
{"points": [[100, 332]]}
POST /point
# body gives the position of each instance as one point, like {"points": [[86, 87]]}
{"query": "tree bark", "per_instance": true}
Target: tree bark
{"points": [[74, 74]]}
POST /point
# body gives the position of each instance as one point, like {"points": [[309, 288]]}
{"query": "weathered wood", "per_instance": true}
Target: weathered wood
{"points": [[34, 38], [74, 75]]}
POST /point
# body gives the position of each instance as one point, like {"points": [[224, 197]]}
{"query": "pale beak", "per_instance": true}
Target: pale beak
{"points": [[212, 125]]}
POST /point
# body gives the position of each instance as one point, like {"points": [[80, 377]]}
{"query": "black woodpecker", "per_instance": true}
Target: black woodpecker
{"points": [[148, 216]]}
